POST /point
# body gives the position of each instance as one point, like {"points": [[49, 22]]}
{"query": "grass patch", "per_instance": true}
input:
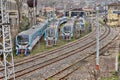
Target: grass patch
{"points": [[111, 78]]}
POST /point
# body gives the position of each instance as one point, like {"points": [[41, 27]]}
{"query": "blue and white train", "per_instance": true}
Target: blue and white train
{"points": [[51, 36], [79, 27], [51, 33], [80, 24], [62, 20], [26, 40], [67, 30]]}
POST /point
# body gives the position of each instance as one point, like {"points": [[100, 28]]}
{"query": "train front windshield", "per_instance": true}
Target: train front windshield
{"points": [[50, 32], [81, 20], [82, 26], [78, 26], [23, 39], [67, 29]]}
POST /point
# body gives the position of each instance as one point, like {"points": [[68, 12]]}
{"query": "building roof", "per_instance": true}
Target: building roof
{"points": [[88, 9], [48, 9], [114, 4], [77, 9]]}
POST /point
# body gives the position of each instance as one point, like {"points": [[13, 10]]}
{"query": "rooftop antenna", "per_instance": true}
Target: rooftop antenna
{"points": [[6, 51]]}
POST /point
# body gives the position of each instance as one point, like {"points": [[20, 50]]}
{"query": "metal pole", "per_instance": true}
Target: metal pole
{"points": [[64, 7], [8, 62], [54, 10], [97, 39], [34, 13], [117, 56], [3, 43]]}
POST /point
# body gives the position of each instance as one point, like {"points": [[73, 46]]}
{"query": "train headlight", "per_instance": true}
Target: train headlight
{"points": [[30, 48]]}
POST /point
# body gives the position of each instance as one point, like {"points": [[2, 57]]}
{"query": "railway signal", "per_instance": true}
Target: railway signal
{"points": [[32, 3], [6, 42], [105, 20], [33, 6]]}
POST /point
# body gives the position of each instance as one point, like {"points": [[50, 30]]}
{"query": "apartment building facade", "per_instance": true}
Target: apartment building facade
{"points": [[113, 14]]}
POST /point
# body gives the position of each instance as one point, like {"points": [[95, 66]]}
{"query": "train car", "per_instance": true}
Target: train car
{"points": [[79, 27], [82, 20], [67, 30], [62, 20], [51, 36], [51, 33], [26, 40]]}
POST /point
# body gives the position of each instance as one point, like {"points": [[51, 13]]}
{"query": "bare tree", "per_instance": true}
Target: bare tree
{"points": [[19, 8]]}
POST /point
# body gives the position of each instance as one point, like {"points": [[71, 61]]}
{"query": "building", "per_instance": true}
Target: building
{"points": [[48, 11], [113, 14], [13, 13]]}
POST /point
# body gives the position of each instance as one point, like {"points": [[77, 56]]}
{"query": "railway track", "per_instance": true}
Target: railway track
{"points": [[42, 64], [75, 66], [31, 58], [51, 61]]}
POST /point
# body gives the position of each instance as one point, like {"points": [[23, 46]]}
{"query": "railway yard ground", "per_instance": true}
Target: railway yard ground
{"points": [[88, 72], [107, 70], [70, 60], [59, 40], [81, 70]]}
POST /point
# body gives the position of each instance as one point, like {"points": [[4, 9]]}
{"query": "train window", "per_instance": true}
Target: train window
{"points": [[23, 39], [67, 29], [50, 32], [78, 25], [82, 26], [81, 20]]}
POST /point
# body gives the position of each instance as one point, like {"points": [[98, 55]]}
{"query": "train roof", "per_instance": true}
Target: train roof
{"points": [[62, 18], [69, 22], [53, 23], [33, 29], [81, 18], [49, 28]]}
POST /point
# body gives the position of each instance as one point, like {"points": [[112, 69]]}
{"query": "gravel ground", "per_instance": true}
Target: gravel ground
{"points": [[107, 66]]}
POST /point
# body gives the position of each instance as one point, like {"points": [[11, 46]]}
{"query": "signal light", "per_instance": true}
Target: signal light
{"points": [[31, 3]]}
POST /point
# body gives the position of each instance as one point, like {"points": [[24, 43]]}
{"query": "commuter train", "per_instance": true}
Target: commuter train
{"points": [[82, 24], [51, 33], [79, 27], [68, 29], [82, 20], [26, 40], [62, 20]]}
